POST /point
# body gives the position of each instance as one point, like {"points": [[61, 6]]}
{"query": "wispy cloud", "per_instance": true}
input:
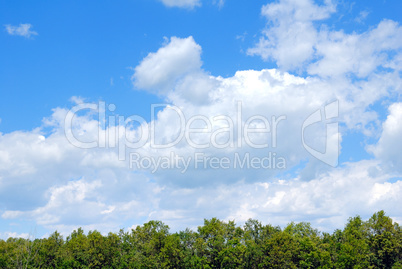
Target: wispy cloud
{"points": [[182, 3], [362, 16], [24, 29], [242, 36], [219, 3]]}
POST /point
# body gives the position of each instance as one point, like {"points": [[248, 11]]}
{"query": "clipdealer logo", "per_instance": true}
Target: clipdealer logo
{"points": [[132, 135]]}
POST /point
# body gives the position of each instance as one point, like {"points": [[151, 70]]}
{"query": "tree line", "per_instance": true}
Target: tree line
{"points": [[375, 243]]}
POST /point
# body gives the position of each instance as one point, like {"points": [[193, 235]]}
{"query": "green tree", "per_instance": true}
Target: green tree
{"points": [[50, 251], [384, 241], [172, 253], [310, 254], [216, 239], [253, 239], [75, 249], [149, 240], [354, 250], [280, 251]]}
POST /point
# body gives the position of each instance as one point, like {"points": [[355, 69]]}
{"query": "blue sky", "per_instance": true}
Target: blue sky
{"points": [[287, 57]]}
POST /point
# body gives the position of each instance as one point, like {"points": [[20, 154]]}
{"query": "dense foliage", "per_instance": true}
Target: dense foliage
{"points": [[376, 243]]}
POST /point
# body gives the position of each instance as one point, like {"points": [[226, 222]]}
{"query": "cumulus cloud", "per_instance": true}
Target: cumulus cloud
{"points": [[114, 197], [58, 179], [389, 148], [90, 188], [327, 201], [265, 93], [160, 70], [290, 36], [294, 42], [182, 3], [24, 29], [64, 186], [359, 54]]}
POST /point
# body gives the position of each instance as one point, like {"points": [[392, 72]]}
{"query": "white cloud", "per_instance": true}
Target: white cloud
{"points": [[114, 195], [291, 38], [24, 29], [326, 201], [197, 88], [395, 63], [6, 235], [77, 100], [67, 187], [160, 70], [294, 42], [360, 54], [388, 149], [182, 3]]}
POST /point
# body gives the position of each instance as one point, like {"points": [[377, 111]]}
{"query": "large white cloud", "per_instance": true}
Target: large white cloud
{"points": [[327, 201], [265, 93], [75, 187], [112, 196], [60, 180]]}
